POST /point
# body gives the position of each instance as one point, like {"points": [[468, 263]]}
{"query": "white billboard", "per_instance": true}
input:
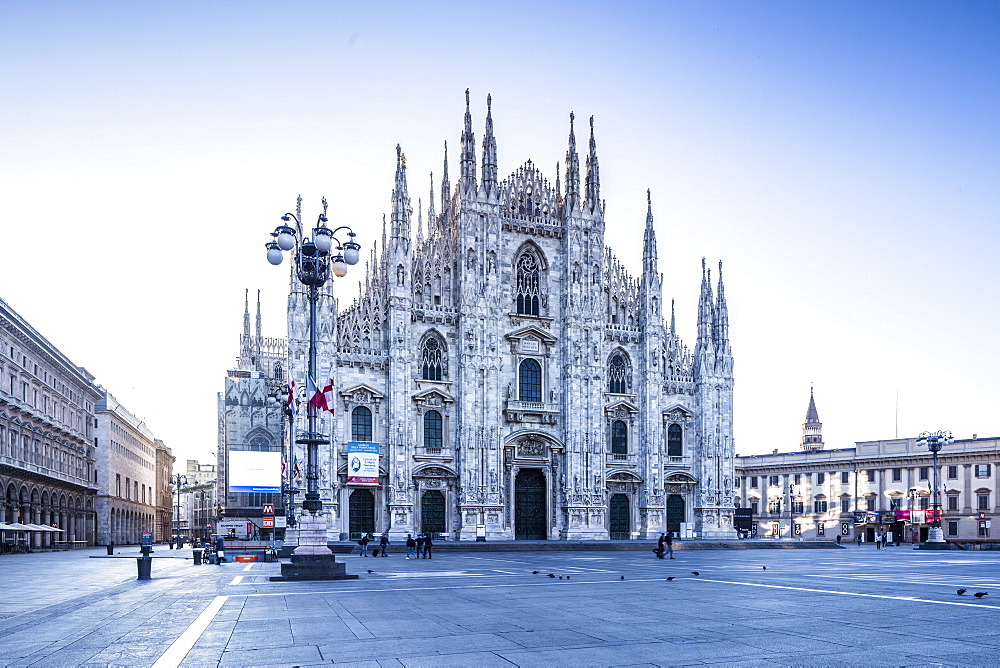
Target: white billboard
{"points": [[250, 471], [362, 463]]}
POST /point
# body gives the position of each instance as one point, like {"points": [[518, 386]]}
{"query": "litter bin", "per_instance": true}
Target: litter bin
{"points": [[111, 549], [197, 556], [145, 565]]}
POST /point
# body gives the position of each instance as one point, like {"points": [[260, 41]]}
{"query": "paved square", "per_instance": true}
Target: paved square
{"points": [[854, 606]]}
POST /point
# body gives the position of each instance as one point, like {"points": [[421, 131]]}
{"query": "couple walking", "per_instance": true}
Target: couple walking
{"points": [[664, 546], [420, 547]]}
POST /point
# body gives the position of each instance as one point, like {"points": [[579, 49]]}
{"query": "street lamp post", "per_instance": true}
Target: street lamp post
{"points": [[281, 402], [314, 261], [178, 478], [934, 442]]}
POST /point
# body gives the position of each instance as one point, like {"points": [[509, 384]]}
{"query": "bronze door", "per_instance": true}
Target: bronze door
{"points": [[619, 528], [362, 513], [529, 505]]}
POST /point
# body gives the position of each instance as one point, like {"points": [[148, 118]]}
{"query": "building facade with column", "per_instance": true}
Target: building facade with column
{"points": [[164, 493], [127, 502], [883, 486], [517, 378], [46, 438]]}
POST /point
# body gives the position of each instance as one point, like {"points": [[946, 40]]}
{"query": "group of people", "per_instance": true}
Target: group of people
{"points": [[665, 546], [421, 547]]}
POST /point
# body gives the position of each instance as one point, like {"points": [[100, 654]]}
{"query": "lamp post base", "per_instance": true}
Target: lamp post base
{"points": [[935, 540], [312, 559]]}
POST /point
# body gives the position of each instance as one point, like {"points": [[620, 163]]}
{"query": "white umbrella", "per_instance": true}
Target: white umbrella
{"points": [[14, 526]]}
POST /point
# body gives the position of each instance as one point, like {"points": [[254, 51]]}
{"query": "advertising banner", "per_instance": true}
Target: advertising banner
{"points": [[917, 516], [251, 471], [362, 463], [887, 517]]}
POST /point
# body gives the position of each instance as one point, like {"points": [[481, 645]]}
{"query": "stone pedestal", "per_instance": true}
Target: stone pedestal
{"points": [[935, 540], [312, 559]]}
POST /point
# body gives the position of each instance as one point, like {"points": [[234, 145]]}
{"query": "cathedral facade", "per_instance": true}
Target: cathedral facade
{"points": [[519, 381]]}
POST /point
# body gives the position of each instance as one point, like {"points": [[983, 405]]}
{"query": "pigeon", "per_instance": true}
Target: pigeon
{"points": [[980, 594], [551, 575], [670, 578], [622, 577], [764, 567], [560, 577], [371, 571], [961, 591], [695, 573], [534, 572], [567, 577]]}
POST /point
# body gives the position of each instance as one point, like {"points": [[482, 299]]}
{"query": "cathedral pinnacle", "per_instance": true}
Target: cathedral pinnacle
{"points": [[593, 184], [445, 183], [572, 170], [431, 216], [400, 200], [706, 314], [649, 239], [468, 151], [490, 186], [721, 324]]}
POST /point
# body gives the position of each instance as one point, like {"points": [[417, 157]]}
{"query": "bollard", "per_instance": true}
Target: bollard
{"points": [[145, 565], [197, 556]]}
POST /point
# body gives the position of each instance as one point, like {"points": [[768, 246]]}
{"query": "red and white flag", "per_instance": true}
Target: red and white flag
{"points": [[290, 401], [316, 396], [328, 394]]}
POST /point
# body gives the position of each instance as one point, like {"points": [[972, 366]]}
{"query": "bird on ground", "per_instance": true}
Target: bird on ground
{"points": [[764, 567], [961, 591], [670, 578], [622, 577], [534, 572], [567, 577], [695, 573], [371, 571], [551, 575], [560, 577], [980, 594]]}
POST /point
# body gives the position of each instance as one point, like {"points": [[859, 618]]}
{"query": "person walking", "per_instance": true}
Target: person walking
{"points": [[420, 545], [878, 541], [669, 542], [428, 545], [859, 540], [383, 544], [410, 546], [365, 539], [220, 550], [659, 551]]}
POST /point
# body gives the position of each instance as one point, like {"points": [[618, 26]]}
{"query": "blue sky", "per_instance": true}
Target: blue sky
{"points": [[840, 158]]}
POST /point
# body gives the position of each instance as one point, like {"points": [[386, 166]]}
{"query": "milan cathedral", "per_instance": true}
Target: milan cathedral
{"points": [[520, 382]]}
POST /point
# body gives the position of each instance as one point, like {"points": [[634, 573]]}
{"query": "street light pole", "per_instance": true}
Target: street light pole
{"points": [[314, 262], [177, 508], [934, 442]]}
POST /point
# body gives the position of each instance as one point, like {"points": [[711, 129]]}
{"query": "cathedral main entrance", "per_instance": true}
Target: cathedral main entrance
{"points": [[675, 512], [432, 512], [529, 505], [619, 527], [362, 513]]}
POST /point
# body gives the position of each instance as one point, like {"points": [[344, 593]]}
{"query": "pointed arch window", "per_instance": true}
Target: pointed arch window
{"points": [[619, 438], [432, 365], [432, 430], [619, 375], [529, 381], [675, 441], [527, 282], [361, 424]]}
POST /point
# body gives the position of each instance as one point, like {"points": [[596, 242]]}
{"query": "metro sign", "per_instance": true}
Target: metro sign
{"points": [[268, 509], [268, 523]]}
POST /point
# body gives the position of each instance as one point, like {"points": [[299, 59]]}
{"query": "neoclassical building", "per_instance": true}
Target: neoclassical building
{"points": [[516, 376], [47, 472]]}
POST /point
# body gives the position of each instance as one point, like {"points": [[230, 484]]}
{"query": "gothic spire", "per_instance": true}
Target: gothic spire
{"points": [[468, 151], [400, 200], [431, 217], [420, 222], [673, 321], [593, 183], [246, 314], [649, 239], [490, 186], [721, 325], [445, 183], [572, 170], [706, 316], [812, 415], [258, 315]]}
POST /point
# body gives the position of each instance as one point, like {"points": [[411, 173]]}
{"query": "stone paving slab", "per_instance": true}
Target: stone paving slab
{"points": [[845, 607]]}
